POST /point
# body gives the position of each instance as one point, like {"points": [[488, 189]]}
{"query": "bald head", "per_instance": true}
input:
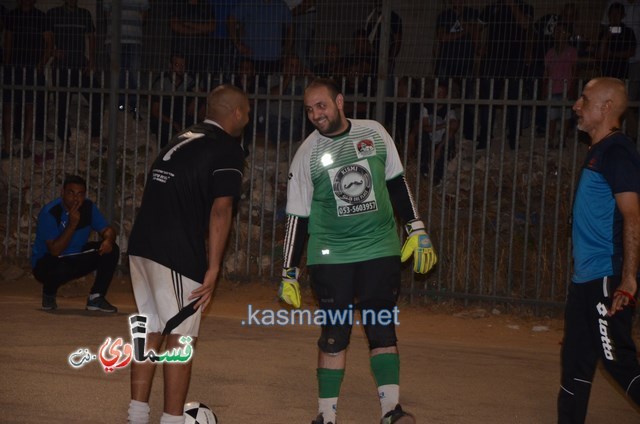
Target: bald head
{"points": [[228, 106], [612, 91]]}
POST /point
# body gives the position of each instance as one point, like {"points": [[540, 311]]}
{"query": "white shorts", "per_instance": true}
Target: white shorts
{"points": [[160, 293]]}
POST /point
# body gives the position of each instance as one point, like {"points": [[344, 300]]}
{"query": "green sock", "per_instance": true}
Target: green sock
{"points": [[386, 368], [329, 382]]}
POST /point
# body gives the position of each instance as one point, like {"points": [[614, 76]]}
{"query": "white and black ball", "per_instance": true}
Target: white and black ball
{"points": [[198, 413]]}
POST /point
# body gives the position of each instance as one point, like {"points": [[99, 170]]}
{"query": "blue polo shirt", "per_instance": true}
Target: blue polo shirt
{"points": [[52, 221], [612, 166]]}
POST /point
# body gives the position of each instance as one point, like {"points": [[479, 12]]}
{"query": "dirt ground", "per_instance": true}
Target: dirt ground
{"points": [[464, 367]]}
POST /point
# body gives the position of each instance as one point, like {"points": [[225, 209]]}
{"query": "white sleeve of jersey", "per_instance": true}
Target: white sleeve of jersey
{"points": [[300, 186], [393, 166]]}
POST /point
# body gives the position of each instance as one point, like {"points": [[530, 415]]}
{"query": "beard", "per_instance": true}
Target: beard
{"points": [[332, 126]]}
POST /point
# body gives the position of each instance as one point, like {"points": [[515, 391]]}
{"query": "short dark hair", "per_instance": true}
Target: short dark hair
{"points": [[74, 179], [328, 83]]}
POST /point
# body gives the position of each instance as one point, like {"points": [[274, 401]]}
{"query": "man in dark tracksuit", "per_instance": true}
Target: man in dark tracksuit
{"points": [[606, 250]]}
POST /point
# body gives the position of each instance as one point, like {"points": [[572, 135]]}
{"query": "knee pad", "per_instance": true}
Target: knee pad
{"points": [[334, 338], [380, 329]]}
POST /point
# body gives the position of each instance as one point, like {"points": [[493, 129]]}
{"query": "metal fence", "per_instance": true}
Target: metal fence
{"points": [[498, 215]]}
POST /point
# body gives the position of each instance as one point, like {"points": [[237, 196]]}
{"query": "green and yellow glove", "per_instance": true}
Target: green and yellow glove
{"points": [[289, 290], [419, 245]]}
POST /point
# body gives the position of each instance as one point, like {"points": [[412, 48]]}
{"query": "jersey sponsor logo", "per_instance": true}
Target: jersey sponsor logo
{"points": [[353, 189], [603, 327], [365, 148]]}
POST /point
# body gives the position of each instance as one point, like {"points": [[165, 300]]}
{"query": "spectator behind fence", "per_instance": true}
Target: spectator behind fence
{"points": [[134, 14], [617, 44], [28, 45], [559, 69], [402, 116], [331, 65], [504, 56], [543, 40], [173, 111], [62, 251], [261, 31], [457, 36], [286, 118], [438, 133], [74, 64], [192, 26], [303, 13], [631, 20], [3, 13], [221, 60], [373, 30]]}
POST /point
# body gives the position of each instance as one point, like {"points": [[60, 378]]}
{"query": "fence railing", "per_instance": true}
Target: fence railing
{"points": [[497, 208]]}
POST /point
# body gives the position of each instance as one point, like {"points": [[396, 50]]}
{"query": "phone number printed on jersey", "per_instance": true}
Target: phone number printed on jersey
{"points": [[348, 210]]}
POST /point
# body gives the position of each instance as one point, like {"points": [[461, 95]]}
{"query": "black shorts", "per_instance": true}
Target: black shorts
{"points": [[372, 284]]}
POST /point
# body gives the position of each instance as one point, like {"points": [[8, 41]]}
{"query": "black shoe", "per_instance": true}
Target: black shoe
{"points": [[398, 416], [49, 303], [320, 420], [100, 304]]}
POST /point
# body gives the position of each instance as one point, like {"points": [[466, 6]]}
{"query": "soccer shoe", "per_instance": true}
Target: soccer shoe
{"points": [[320, 420], [49, 303], [397, 416], [100, 304]]}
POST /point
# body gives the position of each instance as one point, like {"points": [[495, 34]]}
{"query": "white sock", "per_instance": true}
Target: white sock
{"points": [[171, 419], [389, 395], [328, 407], [94, 296], [138, 412]]}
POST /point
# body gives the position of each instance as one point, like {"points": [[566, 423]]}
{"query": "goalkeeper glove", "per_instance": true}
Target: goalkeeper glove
{"points": [[419, 245], [289, 287]]}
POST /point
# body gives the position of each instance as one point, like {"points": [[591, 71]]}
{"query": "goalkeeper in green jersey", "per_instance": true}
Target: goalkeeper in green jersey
{"points": [[345, 184]]}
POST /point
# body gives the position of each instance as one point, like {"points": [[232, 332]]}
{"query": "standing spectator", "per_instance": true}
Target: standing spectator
{"points": [[560, 70], [543, 40], [169, 111], [304, 28], [3, 12], [134, 14], [71, 27], [221, 60], [62, 251], [617, 45], [192, 25], [345, 182], [373, 30], [28, 46], [192, 189], [439, 128], [507, 25], [606, 253], [631, 20], [457, 36], [261, 30]]}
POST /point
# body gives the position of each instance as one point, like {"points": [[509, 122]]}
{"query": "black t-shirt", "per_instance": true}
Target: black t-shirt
{"points": [[506, 40], [455, 58], [200, 164], [28, 30], [70, 26], [624, 41]]}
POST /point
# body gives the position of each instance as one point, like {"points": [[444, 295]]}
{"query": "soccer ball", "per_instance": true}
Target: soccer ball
{"points": [[198, 413]]}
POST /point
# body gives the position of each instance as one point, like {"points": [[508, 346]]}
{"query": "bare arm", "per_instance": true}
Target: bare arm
{"points": [[629, 206], [58, 245], [91, 50], [108, 240], [220, 219]]}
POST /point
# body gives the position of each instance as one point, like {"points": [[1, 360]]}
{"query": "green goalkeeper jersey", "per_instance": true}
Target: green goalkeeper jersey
{"points": [[339, 184]]}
